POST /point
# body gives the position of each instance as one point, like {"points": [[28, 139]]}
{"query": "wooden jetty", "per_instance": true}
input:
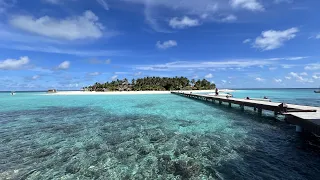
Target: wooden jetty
{"points": [[305, 118]]}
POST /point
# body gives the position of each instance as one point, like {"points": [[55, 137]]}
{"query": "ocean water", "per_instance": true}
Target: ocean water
{"points": [[150, 137]]}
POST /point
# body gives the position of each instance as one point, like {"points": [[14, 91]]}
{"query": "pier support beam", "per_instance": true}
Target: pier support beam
{"points": [[230, 105], [260, 112], [220, 102], [242, 107], [255, 109], [299, 129]]}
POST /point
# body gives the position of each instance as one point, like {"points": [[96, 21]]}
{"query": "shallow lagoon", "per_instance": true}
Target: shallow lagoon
{"points": [[149, 137]]}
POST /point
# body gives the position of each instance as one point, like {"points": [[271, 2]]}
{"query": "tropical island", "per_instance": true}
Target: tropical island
{"points": [[152, 84]]}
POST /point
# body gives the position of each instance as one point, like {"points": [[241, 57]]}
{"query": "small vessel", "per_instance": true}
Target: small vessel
{"points": [[317, 91], [13, 93]]}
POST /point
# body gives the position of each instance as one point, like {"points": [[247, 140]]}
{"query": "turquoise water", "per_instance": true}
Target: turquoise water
{"points": [[150, 137]]}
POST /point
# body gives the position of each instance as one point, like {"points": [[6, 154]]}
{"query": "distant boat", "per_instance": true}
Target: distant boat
{"points": [[317, 91], [13, 93]]}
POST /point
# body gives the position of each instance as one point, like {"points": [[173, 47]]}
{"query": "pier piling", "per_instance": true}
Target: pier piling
{"points": [[305, 118]]}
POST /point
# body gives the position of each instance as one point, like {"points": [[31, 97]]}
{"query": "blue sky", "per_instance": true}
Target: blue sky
{"points": [[68, 44]]}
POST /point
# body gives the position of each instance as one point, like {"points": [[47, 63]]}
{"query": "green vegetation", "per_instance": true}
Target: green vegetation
{"points": [[153, 84]]}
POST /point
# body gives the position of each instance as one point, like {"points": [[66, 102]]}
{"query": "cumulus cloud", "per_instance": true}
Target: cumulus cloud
{"points": [[184, 22], [208, 76], [166, 44], [272, 39], [278, 80], [64, 65], [252, 5], [299, 78], [315, 77], [288, 77], [259, 79], [246, 41], [313, 67], [71, 28], [229, 18], [11, 64], [304, 74]]}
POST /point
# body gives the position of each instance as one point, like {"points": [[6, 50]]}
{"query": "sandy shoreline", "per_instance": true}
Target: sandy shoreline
{"points": [[121, 93]]}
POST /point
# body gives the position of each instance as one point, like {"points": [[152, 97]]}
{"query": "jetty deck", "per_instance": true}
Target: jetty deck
{"points": [[306, 118]]}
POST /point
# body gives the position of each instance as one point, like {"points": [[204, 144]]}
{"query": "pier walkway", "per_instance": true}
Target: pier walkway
{"points": [[306, 118]]}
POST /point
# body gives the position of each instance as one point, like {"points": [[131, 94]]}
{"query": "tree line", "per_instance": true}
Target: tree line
{"points": [[152, 84]]}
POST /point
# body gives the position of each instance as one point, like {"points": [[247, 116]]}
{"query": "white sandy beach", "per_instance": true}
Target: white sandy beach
{"points": [[121, 93]]}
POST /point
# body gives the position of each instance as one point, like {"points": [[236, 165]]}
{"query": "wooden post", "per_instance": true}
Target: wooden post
{"points": [[229, 104], [255, 109], [220, 102], [242, 107], [275, 113], [260, 112]]}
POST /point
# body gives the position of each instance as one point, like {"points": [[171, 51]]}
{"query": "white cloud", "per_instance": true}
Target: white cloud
{"points": [[252, 5], [313, 67], [104, 4], [96, 61], [246, 41], [259, 79], [272, 68], [166, 44], [208, 76], [224, 81], [77, 52], [64, 65], [115, 77], [181, 23], [222, 65], [304, 74], [94, 74], [35, 77], [71, 28], [272, 39], [11, 64], [288, 77], [137, 73], [300, 78], [318, 36], [287, 66], [278, 80], [315, 77], [229, 18]]}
